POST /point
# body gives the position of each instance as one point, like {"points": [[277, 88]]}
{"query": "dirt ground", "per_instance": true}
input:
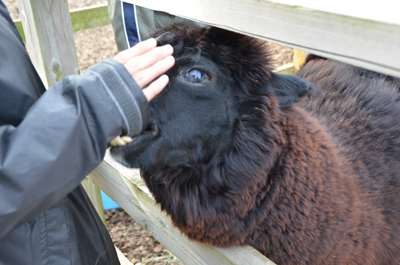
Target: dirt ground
{"points": [[96, 45]]}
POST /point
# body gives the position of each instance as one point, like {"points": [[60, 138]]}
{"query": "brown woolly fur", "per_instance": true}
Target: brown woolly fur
{"points": [[233, 159]]}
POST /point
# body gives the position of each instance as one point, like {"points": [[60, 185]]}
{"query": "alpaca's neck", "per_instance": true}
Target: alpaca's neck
{"points": [[309, 155], [314, 199]]}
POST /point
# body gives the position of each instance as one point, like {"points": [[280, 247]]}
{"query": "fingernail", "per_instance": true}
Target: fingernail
{"points": [[170, 60], [150, 42], [164, 78], [168, 48]]}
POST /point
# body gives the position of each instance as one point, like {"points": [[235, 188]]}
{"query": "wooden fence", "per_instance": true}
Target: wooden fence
{"points": [[363, 37], [362, 33]]}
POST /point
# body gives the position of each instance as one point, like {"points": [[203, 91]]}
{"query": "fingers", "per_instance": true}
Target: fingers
{"points": [[148, 59], [155, 87], [145, 62], [144, 77], [137, 50]]}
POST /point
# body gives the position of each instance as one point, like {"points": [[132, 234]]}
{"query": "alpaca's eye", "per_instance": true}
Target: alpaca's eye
{"points": [[197, 76]]}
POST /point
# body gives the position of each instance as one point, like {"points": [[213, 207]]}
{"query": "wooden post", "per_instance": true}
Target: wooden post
{"points": [[95, 196], [299, 59], [50, 41], [48, 31]]}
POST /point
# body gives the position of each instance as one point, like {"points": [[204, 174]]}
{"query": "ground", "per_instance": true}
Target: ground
{"points": [[135, 242], [96, 45]]}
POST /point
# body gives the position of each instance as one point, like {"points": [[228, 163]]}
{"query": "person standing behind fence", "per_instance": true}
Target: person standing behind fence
{"points": [[132, 23], [49, 142]]}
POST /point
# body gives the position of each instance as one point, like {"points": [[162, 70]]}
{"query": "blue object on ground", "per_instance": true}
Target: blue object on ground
{"points": [[108, 203]]}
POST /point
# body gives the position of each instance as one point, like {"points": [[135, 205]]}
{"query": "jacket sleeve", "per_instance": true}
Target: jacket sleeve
{"points": [[63, 137]]}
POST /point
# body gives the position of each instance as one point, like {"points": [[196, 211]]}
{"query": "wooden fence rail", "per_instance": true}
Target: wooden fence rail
{"points": [[366, 35]]}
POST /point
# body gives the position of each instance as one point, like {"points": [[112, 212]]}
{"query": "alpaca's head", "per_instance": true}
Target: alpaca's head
{"points": [[193, 117]]}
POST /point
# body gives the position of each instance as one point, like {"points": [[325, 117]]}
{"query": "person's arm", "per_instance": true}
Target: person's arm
{"points": [[64, 135]]}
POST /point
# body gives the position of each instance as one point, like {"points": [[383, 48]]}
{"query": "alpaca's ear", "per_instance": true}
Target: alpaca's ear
{"points": [[289, 88]]}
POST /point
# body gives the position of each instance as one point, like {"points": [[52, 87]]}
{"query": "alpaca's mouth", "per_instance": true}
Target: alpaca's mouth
{"points": [[139, 142]]}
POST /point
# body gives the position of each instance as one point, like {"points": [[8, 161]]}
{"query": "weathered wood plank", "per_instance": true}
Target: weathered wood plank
{"points": [[299, 59], [49, 38], [127, 188], [363, 42], [95, 196], [287, 69], [383, 10], [18, 24], [122, 259]]}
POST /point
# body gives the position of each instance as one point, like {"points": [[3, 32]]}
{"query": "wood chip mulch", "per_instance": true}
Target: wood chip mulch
{"points": [[135, 242]]}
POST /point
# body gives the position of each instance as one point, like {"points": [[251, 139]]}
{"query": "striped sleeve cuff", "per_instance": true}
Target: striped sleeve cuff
{"points": [[128, 96]]}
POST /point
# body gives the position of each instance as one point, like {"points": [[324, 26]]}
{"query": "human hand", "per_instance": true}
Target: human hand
{"points": [[145, 62]]}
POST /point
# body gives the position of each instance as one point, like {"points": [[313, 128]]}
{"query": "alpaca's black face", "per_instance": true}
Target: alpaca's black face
{"points": [[191, 119]]}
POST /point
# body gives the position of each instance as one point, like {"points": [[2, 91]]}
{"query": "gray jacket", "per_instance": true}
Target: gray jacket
{"points": [[49, 142]]}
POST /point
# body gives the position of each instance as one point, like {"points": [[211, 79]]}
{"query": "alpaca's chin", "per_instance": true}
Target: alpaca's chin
{"points": [[133, 155], [120, 156], [152, 153]]}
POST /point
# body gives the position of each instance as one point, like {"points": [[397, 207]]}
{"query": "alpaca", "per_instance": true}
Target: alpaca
{"points": [[305, 170]]}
